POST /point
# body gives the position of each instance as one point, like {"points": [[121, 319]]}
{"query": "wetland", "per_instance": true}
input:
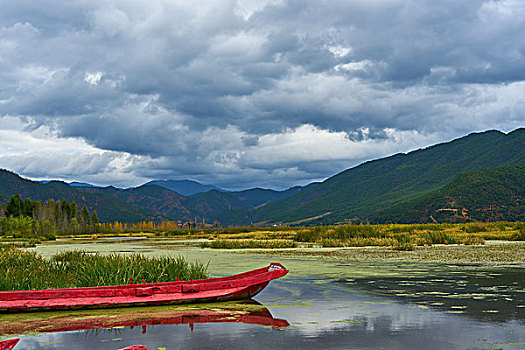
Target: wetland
{"points": [[450, 296]]}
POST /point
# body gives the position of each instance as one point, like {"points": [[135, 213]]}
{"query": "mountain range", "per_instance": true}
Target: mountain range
{"points": [[184, 187], [148, 201], [477, 177]]}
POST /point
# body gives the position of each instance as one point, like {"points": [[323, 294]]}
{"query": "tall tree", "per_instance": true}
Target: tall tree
{"points": [[14, 206], [84, 214], [52, 208], [94, 217], [75, 213], [27, 207], [66, 208]]}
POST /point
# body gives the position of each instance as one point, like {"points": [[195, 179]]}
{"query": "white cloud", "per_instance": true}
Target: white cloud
{"points": [[41, 154], [110, 20], [308, 143], [262, 91], [246, 8], [339, 51], [93, 78]]}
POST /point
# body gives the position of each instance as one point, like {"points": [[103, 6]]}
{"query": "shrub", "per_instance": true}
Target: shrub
{"points": [[520, 235], [475, 228], [441, 238]]}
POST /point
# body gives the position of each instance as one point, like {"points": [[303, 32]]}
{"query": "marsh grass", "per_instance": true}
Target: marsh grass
{"points": [[398, 236], [520, 234], [475, 227], [357, 242], [248, 243], [404, 246], [22, 270]]}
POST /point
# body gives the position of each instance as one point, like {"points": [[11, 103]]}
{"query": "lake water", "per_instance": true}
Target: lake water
{"points": [[320, 305]]}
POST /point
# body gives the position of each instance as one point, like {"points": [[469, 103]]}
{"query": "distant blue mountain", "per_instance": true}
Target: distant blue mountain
{"points": [[184, 187], [73, 184], [81, 184]]}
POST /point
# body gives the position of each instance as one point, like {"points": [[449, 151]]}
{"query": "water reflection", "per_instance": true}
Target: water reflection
{"points": [[249, 312], [496, 295], [336, 314], [433, 308]]}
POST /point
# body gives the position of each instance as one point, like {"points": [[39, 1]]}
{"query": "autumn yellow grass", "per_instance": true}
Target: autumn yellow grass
{"points": [[397, 236], [400, 237]]}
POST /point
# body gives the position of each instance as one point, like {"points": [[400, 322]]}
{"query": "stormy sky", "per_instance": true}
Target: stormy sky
{"points": [[245, 93]]}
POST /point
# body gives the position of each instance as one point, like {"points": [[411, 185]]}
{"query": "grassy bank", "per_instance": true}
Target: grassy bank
{"points": [[397, 236], [21, 270], [249, 243]]}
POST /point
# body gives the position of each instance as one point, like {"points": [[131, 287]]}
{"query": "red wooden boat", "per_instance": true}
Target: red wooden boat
{"points": [[242, 286], [135, 347], [8, 344]]}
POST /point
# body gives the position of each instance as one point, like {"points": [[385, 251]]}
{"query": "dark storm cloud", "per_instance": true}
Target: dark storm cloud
{"points": [[275, 92]]}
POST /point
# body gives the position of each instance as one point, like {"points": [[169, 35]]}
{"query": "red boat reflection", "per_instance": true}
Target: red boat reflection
{"points": [[249, 312], [8, 344]]}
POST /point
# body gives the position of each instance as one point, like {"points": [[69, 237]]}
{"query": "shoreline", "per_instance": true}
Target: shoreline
{"points": [[333, 262], [490, 253]]}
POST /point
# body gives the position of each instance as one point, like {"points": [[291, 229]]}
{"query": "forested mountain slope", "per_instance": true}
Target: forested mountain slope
{"points": [[487, 195], [108, 207], [357, 193]]}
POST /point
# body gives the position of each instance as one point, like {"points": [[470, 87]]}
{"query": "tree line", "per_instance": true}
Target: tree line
{"points": [[28, 217], [23, 218]]}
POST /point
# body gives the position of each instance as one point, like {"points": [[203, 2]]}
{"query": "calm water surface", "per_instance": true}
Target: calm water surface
{"points": [[344, 305]]}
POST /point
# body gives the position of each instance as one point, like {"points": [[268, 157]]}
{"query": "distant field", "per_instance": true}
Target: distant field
{"points": [[400, 237], [397, 236]]}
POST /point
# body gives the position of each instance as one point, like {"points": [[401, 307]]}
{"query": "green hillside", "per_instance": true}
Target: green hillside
{"points": [[256, 197], [109, 208], [216, 205], [486, 195], [355, 194], [156, 199], [210, 206], [183, 187]]}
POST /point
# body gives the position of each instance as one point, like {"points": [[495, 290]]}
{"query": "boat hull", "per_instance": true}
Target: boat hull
{"points": [[236, 287]]}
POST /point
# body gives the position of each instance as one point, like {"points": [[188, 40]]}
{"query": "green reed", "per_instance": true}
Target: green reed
{"points": [[20, 270]]}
